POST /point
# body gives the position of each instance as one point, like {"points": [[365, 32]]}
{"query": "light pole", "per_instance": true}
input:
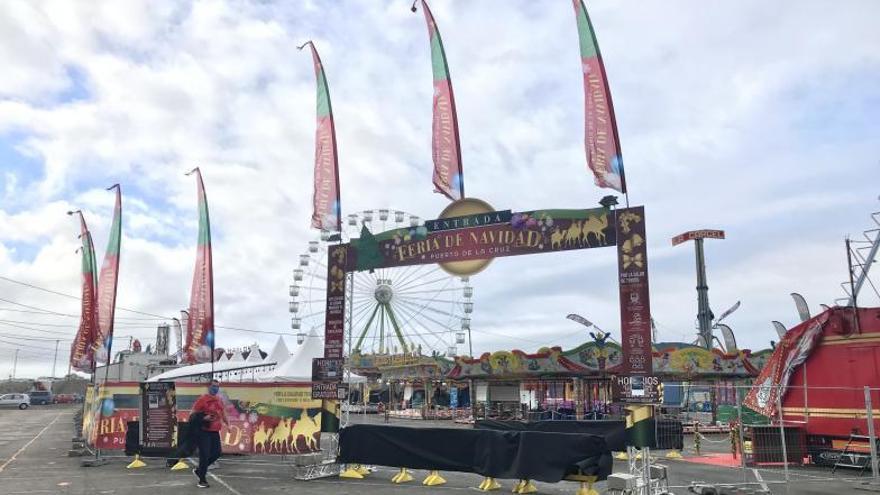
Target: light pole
{"points": [[14, 364], [55, 360]]}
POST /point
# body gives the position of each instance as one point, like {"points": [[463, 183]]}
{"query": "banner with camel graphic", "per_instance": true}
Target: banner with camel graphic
{"points": [[271, 418], [528, 232], [264, 418]]}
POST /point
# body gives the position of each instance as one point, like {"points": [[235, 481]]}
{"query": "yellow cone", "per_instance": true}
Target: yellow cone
{"points": [[587, 489], [621, 456], [402, 476], [351, 473], [362, 470], [524, 486], [489, 484], [673, 454], [181, 464], [136, 463], [434, 479]]}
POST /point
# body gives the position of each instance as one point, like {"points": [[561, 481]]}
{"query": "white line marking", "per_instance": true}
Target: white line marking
{"points": [[8, 461], [194, 462], [226, 485], [760, 480]]}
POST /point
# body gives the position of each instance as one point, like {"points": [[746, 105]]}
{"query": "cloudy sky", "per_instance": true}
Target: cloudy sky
{"points": [[757, 118]]}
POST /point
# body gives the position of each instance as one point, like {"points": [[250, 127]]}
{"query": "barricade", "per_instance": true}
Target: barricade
{"points": [[814, 436], [517, 455]]}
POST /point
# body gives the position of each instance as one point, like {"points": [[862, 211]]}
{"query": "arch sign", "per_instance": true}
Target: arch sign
{"points": [[469, 234]]}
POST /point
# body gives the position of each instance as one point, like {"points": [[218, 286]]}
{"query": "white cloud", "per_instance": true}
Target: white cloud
{"points": [[749, 117]]}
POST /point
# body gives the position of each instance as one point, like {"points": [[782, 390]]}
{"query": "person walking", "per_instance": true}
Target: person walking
{"points": [[208, 437]]}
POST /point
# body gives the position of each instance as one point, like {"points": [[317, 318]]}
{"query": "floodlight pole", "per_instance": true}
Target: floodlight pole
{"points": [[704, 314]]}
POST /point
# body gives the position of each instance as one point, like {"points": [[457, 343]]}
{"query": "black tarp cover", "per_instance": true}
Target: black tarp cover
{"points": [[613, 431], [532, 455], [670, 434]]}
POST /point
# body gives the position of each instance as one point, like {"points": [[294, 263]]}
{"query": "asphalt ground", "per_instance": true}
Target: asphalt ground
{"points": [[34, 445]]}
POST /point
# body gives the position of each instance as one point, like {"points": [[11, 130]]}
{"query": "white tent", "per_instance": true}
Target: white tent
{"points": [[254, 355], [203, 370], [280, 352], [298, 367]]}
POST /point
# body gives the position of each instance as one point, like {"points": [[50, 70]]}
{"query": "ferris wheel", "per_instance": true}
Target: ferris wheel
{"points": [[418, 309]]}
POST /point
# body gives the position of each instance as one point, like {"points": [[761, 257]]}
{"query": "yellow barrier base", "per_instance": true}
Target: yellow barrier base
{"points": [[673, 454], [621, 456], [181, 464], [489, 484], [351, 473], [525, 486], [434, 479], [362, 470], [402, 476], [136, 463], [587, 489]]}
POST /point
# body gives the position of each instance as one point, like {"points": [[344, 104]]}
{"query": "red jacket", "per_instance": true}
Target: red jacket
{"points": [[212, 406]]}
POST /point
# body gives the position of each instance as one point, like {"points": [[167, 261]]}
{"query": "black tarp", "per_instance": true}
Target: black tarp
{"points": [[533, 455], [613, 431], [670, 434]]}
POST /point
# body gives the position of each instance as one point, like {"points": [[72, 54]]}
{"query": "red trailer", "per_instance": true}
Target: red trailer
{"points": [[818, 372]]}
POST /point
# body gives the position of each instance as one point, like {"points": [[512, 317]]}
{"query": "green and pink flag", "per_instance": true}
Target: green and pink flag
{"points": [[199, 346], [82, 351], [326, 208], [445, 146], [602, 144], [107, 284]]}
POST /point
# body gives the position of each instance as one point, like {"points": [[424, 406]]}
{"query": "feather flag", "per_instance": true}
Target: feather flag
{"points": [[326, 207], [82, 357], [107, 283], [200, 325], [445, 145], [602, 144]]}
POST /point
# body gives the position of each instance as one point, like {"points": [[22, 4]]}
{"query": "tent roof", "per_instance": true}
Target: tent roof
{"points": [[254, 355], [298, 367], [280, 352], [194, 370]]}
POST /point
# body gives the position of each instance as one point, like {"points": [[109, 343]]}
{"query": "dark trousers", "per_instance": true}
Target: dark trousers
{"points": [[209, 451]]}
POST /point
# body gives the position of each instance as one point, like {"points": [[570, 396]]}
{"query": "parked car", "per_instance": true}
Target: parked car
{"points": [[21, 401], [64, 398], [40, 397]]}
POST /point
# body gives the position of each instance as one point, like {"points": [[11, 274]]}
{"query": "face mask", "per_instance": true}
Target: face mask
{"points": [[213, 389]]}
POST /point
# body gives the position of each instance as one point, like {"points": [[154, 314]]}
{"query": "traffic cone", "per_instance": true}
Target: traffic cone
{"points": [[402, 476], [351, 473], [525, 486], [181, 464], [673, 454], [587, 489], [433, 479], [136, 463], [362, 470], [489, 484]]}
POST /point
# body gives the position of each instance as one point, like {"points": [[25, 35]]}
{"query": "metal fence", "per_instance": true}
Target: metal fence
{"points": [[815, 436]]}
